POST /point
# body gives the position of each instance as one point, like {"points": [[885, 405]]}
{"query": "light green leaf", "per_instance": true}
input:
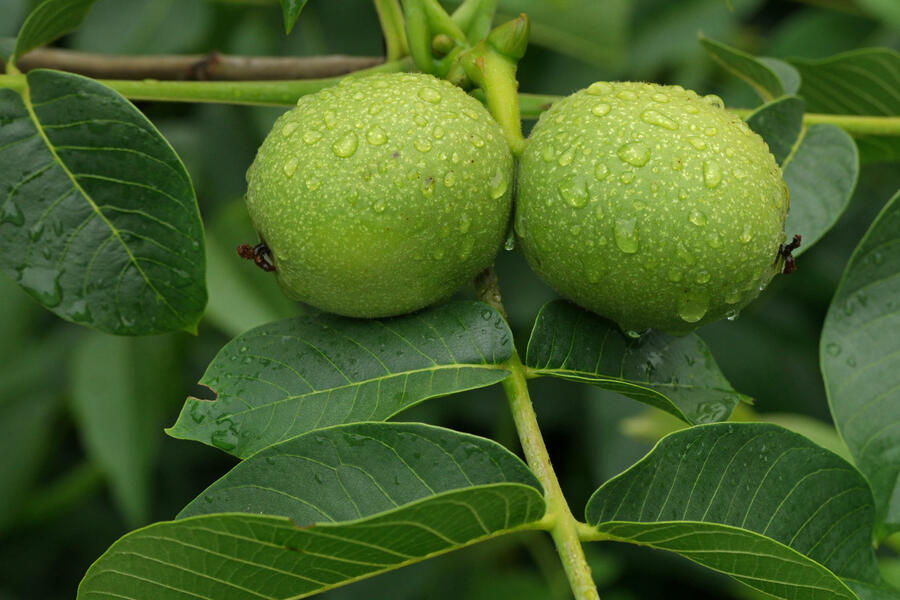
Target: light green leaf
{"points": [[859, 82], [755, 501], [291, 11], [676, 374], [241, 296], [887, 10], [779, 123], [286, 378], [367, 498], [820, 165], [118, 389], [100, 223], [770, 78], [860, 357], [50, 20]]}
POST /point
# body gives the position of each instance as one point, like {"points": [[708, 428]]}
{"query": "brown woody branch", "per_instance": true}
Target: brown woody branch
{"points": [[212, 66]]}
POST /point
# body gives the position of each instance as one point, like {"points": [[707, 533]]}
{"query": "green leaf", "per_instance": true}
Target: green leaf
{"points": [[117, 394], [291, 11], [770, 78], [367, 498], [286, 378], [50, 20], [353, 471], [860, 357], [779, 123], [241, 296], [100, 223], [820, 165], [755, 501], [859, 82], [676, 374]]}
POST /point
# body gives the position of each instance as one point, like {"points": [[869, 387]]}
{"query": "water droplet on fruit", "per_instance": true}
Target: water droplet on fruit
{"points": [[470, 114], [677, 163], [601, 172], [438, 254], [465, 223], [697, 218], [379, 205], [313, 183], [710, 131], [696, 142], [498, 184], [566, 158], [626, 235], [693, 306], [290, 166], [438, 132], [599, 88], [430, 95], [422, 144], [427, 187], [346, 146], [288, 129], [477, 140], [634, 153], [626, 95], [712, 174], [733, 296], [674, 274], [702, 277], [573, 190], [660, 97], [714, 240], [450, 179], [376, 136], [330, 119], [746, 234], [599, 110], [311, 136], [627, 177], [653, 117], [714, 100], [833, 348]]}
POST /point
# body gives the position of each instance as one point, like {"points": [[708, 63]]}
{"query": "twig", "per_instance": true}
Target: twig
{"points": [[212, 66]]}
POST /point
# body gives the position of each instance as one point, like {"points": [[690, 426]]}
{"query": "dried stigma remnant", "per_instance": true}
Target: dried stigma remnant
{"points": [[259, 254], [785, 251]]}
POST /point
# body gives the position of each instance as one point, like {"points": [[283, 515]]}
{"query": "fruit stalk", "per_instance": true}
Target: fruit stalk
{"points": [[392, 26]]}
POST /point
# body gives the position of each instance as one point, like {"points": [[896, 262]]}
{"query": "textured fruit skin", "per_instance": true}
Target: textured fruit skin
{"points": [[650, 205], [382, 195]]}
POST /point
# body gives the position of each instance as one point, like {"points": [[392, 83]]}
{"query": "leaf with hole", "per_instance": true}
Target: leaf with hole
{"points": [[676, 374], [99, 221], [50, 20], [362, 499], [286, 378], [755, 501], [860, 357]]}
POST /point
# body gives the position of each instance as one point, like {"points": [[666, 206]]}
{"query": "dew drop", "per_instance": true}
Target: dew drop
{"points": [[549, 153], [330, 119], [379, 206], [313, 183], [714, 240], [374, 109], [311, 136], [290, 166], [470, 114], [697, 218], [833, 349], [674, 274], [746, 234], [851, 362], [627, 177], [739, 173], [731, 314], [438, 254], [653, 117], [702, 277], [438, 132], [733, 296], [430, 95], [465, 223], [660, 97], [420, 121], [36, 231], [450, 179], [626, 95], [712, 174], [602, 109], [477, 141], [428, 187], [498, 184], [601, 172], [714, 100], [710, 131], [225, 439], [376, 136], [677, 163], [634, 153], [346, 146], [696, 142], [288, 129], [693, 306], [573, 190], [422, 144], [599, 88], [626, 235]]}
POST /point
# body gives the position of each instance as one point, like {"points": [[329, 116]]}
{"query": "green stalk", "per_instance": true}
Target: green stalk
{"points": [[266, 93], [564, 528], [418, 35], [393, 28]]}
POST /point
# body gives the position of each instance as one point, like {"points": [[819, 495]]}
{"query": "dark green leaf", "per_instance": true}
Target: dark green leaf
{"points": [[677, 374], [50, 20], [779, 123], [860, 357], [100, 223], [769, 82], [368, 498], [820, 166], [349, 472], [119, 386], [283, 379], [755, 501], [241, 296], [859, 82], [291, 11]]}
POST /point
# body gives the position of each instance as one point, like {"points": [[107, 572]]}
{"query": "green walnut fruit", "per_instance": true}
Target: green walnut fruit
{"points": [[650, 205], [382, 195]]}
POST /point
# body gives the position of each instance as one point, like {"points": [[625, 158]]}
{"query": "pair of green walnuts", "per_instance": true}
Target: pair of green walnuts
{"points": [[647, 204]]}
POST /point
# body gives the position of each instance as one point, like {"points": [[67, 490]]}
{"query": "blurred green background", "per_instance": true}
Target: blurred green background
{"points": [[59, 509]]}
